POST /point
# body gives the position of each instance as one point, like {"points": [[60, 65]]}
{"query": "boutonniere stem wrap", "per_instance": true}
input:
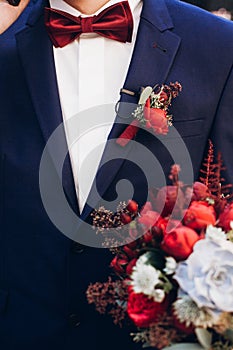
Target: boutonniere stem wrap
{"points": [[152, 111]]}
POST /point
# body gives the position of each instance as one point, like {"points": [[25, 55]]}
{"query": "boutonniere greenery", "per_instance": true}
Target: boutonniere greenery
{"points": [[152, 111]]}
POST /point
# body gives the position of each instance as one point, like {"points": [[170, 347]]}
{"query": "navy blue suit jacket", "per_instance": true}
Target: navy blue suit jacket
{"points": [[43, 273]]}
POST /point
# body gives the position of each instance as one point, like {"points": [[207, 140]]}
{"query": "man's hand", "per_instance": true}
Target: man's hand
{"points": [[9, 13]]}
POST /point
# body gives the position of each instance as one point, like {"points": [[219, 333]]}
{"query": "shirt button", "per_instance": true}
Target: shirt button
{"points": [[77, 248], [74, 320]]}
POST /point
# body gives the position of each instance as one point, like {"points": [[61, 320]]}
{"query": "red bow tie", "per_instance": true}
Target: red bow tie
{"points": [[115, 22]]}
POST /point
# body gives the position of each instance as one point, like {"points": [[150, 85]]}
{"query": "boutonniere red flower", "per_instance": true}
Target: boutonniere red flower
{"points": [[152, 111]]}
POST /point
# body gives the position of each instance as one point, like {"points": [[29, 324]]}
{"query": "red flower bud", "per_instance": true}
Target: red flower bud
{"points": [[132, 206], [118, 264], [130, 253], [131, 264], [125, 218], [147, 237], [157, 233], [163, 96], [167, 198]]}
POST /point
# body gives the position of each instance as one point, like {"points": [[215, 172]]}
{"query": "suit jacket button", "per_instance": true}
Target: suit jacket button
{"points": [[77, 248], [74, 320]]}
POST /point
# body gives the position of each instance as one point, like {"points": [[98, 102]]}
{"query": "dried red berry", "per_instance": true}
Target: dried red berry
{"points": [[125, 218]]}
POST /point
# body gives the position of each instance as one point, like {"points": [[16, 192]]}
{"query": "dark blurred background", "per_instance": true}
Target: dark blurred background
{"points": [[223, 8]]}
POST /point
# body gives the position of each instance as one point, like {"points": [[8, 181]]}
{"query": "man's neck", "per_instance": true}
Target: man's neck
{"points": [[87, 7]]}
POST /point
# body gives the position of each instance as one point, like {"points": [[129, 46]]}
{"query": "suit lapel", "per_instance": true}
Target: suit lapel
{"points": [[154, 53], [155, 50], [36, 54]]}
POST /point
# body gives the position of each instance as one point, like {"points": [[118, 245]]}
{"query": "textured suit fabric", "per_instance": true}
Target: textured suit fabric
{"points": [[43, 274]]}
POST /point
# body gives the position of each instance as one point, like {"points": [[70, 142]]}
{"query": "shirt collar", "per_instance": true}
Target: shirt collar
{"points": [[63, 6]]}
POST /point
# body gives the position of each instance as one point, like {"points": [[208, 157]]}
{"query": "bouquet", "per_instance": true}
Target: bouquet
{"points": [[172, 264]]}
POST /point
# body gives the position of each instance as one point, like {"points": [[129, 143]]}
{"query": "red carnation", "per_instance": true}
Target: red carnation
{"points": [[143, 310], [226, 217], [179, 242], [199, 215]]}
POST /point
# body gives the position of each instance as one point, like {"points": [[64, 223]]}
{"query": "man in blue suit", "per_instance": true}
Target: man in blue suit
{"points": [[43, 273]]}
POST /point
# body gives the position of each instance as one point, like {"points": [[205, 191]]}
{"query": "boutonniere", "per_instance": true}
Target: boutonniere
{"points": [[152, 111]]}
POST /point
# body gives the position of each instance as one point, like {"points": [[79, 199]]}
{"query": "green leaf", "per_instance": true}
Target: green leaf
{"points": [[156, 258]]}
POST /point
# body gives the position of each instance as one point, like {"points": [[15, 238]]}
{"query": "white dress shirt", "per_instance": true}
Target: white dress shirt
{"points": [[90, 72]]}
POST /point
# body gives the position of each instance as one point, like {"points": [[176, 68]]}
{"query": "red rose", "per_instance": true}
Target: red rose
{"points": [[199, 215], [143, 310], [179, 242], [226, 217], [156, 120], [166, 199]]}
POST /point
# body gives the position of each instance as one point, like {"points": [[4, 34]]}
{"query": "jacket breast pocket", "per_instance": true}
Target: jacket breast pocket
{"points": [[189, 128]]}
